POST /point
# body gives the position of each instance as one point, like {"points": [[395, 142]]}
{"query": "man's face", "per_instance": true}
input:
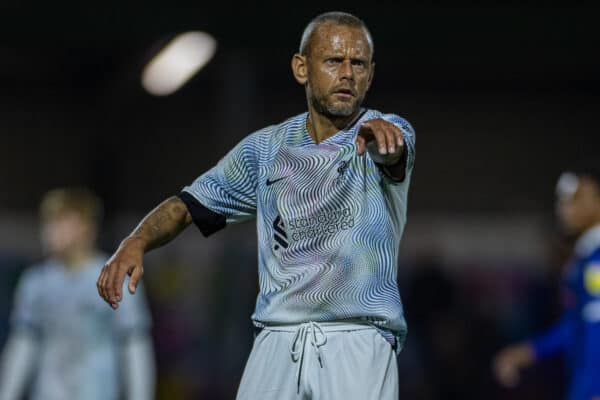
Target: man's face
{"points": [[578, 203], [66, 233], [338, 70]]}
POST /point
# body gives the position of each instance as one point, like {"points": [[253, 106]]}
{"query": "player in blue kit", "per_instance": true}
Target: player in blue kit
{"points": [[577, 334], [65, 343], [328, 189]]}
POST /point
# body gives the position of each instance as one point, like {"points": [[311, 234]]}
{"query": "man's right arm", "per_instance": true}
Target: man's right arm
{"points": [[224, 194], [158, 228], [162, 224]]}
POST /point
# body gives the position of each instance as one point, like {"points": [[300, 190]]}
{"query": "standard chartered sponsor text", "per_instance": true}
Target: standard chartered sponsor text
{"points": [[322, 224]]}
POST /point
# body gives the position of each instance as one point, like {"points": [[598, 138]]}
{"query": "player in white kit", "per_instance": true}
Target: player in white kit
{"points": [[328, 189], [65, 344]]}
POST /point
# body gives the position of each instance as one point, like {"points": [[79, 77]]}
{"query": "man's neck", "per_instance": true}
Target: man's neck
{"points": [[321, 127]]}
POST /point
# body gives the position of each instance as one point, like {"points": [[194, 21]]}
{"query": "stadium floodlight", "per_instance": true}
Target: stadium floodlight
{"points": [[178, 62]]}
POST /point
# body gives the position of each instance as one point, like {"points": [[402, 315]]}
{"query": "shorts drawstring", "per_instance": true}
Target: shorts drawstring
{"points": [[299, 341]]}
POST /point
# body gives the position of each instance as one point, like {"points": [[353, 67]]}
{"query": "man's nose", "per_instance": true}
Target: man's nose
{"points": [[346, 71]]}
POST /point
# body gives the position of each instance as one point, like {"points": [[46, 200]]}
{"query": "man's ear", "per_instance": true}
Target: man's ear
{"points": [[299, 68]]}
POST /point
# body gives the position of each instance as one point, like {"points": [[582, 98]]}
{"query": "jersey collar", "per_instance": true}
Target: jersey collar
{"points": [[341, 137]]}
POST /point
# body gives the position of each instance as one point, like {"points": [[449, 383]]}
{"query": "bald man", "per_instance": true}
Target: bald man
{"points": [[328, 190]]}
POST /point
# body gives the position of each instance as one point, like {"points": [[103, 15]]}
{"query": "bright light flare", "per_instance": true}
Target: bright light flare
{"points": [[178, 62]]}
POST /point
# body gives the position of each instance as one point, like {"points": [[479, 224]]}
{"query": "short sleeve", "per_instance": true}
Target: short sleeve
{"points": [[229, 188], [26, 313], [132, 316]]}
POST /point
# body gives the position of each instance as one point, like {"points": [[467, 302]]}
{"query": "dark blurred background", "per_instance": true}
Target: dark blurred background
{"points": [[502, 98]]}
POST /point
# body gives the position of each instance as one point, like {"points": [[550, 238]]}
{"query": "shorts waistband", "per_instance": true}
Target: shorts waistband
{"points": [[325, 326]]}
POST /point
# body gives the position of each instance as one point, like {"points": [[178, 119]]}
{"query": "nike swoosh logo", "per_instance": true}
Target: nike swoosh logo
{"points": [[270, 182]]}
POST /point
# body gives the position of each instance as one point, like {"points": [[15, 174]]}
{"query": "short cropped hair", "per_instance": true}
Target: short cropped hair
{"points": [[336, 18], [81, 201]]}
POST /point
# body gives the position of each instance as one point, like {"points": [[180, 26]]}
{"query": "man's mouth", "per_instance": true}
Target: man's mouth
{"points": [[344, 92]]}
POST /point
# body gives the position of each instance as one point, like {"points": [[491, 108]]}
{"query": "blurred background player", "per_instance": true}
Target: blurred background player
{"points": [[62, 335], [577, 334]]}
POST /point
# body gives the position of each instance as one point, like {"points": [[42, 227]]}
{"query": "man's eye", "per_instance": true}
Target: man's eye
{"points": [[334, 61], [358, 63]]}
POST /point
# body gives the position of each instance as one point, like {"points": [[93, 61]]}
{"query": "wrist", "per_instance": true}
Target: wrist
{"points": [[134, 241]]}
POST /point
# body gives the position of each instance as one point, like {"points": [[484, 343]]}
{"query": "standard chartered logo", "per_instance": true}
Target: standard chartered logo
{"points": [[325, 223]]}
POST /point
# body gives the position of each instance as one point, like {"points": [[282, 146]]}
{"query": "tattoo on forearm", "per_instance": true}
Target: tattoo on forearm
{"points": [[163, 223]]}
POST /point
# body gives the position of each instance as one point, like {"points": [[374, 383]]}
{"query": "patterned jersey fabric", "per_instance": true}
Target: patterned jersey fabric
{"points": [[329, 222]]}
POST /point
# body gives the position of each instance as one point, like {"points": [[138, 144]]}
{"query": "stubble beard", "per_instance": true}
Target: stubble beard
{"points": [[334, 110]]}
